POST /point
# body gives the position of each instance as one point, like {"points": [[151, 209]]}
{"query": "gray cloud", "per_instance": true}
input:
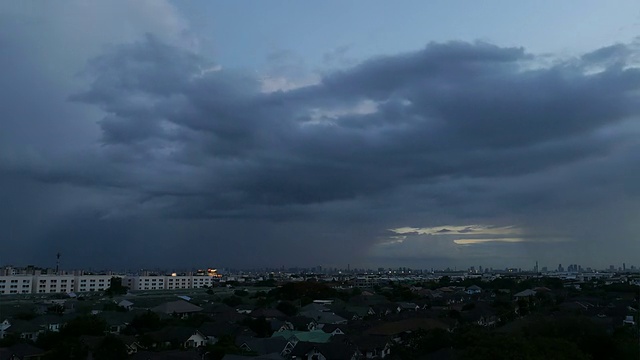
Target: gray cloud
{"points": [[458, 132]]}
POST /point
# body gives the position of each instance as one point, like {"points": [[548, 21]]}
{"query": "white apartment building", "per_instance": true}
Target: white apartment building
{"points": [[47, 284], [90, 283], [16, 284], [51, 284], [151, 282], [168, 282]]}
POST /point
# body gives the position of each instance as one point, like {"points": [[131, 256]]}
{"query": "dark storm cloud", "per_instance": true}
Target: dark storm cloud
{"points": [[470, 130], [449, 110]]}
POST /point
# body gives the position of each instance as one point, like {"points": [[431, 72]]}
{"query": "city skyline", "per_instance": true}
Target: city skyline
{"points": [[263, 134]]}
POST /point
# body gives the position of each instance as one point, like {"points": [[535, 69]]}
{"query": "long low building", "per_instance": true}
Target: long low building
{"points": [[50, 284], [167, 282]]}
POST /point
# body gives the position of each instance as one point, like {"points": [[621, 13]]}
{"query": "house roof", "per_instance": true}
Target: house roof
{"points": [[407, 305], [220, 328], [370, 342], [172, 334], [299, 322], [178, 307], [324, 317], [329, 328], [22, 326], [330, 351], [267, 313], [264, 346], [314, 306], [315, 336], [125, 303], [525, 293]]}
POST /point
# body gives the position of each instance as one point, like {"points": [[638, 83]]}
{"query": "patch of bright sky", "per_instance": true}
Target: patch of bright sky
{"points": [[460, 229], [242, 34]]}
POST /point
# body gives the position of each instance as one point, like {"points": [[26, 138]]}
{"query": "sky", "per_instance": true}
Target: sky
{"points": [[162, 134]]}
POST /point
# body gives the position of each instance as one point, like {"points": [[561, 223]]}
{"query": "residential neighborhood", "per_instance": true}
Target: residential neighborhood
{"points": [[436, 316]]}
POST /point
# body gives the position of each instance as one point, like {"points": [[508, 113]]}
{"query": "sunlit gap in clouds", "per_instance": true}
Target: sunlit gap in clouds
{"points": [[481, 241]]}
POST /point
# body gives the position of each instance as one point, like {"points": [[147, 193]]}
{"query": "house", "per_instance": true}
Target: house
{"points": [[244, 309], [382, 310], [213, 331], [280, 325], [132, 344], [473, 289], [525, 294], [301, 323], [267, 314], [333, 329], [408, 306], [222, 312], [23, 329], [372, 346], [316, 336], [265, 346], [353, 312], [324, 317], [21, 351], [4, 326], [50, 322], [178, 336], [314, 307], [628, 320], [328, 351], [180, 308], [116, 321], [126, 304]]}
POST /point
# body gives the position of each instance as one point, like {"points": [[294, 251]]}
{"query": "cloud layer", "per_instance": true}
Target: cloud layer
{"points": [[454, 133]]}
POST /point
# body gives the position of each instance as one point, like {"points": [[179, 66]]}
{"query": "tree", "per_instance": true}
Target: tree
{"points": [[241, 293], [287, 308], [56, 309], [111, 348], [146, 322], [84, 325], [116, 287], [260, 326], [444, 281], [69, 348], [232, 301]]}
